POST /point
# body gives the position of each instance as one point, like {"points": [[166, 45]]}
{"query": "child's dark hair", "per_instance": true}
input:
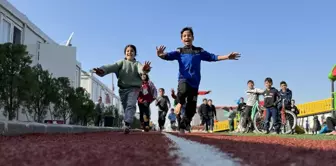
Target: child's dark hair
{"points": [[187, 29], [205, 99], [283, 83], [269, 79], [133, 47], [147, 77], [210, 100], [161, 89], [250, 81]]}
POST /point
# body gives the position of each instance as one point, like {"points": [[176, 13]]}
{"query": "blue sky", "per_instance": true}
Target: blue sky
{"points": [[287, 40]]}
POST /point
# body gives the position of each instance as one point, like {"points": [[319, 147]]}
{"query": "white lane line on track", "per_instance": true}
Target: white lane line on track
{"points": [[193, 153]]}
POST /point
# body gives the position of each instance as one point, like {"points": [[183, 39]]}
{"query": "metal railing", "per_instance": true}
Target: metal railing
{"points": [[306, 109]]}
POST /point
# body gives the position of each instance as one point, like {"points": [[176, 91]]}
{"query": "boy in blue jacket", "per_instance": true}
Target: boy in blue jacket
{"points": [[189, 58]]}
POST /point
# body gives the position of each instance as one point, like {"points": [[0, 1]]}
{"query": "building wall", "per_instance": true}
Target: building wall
{"points": [[96, 88], [61, 61]]}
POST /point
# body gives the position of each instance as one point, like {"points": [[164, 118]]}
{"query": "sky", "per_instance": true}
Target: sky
{"points": [[294, 41]]}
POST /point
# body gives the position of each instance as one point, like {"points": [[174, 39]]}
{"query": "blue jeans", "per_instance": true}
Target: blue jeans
{"points": [[274, 114], [211, 123]]}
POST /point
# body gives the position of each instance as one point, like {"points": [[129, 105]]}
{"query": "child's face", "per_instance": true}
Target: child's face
{"points": [[283, 87], [130, 53], [268, 85], [187, 38], [161, 92], [205, 101], [144, 77], [210, 102], [250, 85]]}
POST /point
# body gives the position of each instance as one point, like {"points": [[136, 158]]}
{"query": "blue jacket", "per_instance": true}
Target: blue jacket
{"points": [[287, 96], [172, 117], [189, 59]]}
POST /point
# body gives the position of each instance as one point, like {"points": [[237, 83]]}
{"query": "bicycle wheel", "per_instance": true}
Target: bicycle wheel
{"points": [[291, 121], [259, 122]]}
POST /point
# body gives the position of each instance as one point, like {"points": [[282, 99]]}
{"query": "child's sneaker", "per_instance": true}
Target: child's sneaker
{"points": [[211, 131], [127, 128], [147, 129]]}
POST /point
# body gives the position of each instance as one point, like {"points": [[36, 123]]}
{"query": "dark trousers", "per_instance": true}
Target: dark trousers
{"points": [[206, 122], [247, 116], [274, 114], [211, 123], [98, 120], [187, 94], [331, 123], [144, 114], [162, 118], [231, 124]]}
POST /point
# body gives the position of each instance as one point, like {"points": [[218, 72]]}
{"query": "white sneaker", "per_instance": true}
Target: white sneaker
{"points": [[211, 131], [127, 130]]}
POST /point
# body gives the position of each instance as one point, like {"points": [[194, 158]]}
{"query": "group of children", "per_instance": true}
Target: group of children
{"points": [[130, 82], [274, 101]]}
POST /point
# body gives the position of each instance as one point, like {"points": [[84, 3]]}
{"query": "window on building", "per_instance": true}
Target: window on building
{"points": [[6, 29], [17, 35]]}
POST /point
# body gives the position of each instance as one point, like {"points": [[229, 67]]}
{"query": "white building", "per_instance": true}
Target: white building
{"points": [[60, 60], [97, 89]]}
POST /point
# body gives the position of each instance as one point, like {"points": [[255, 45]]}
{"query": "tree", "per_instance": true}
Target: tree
{"points": [[14, 67], [62, 102], [40, 94], [82, 108]]}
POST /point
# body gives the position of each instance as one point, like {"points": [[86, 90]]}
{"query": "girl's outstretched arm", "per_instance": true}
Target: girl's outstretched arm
{"points": [[113, 68]]}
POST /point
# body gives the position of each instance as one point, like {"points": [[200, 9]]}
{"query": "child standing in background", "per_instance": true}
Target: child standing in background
{"points": [[128, 72]]}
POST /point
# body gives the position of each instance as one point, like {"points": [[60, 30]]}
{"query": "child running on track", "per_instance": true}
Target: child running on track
{"points": [[147, 95], [163, 104], [189, 58], [128, 72], [172, 118], [181, 114]]}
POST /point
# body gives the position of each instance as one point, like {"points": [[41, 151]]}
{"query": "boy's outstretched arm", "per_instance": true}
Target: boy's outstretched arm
{"points": [[170, 56], [206, 56], [256, 90], [107, 69]]}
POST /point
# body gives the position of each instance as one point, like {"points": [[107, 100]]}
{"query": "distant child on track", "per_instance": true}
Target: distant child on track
{"points": [[128, 72], [189, 58], [172, 119], [147, 95], [163, 104]]}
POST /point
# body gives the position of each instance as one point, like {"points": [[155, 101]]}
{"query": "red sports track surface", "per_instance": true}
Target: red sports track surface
{"points": [[88, 149], [275, 151]]}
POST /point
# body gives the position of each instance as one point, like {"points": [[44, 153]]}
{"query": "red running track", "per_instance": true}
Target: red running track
{"points": [[271, 151], [153, 149], [103, 149]]}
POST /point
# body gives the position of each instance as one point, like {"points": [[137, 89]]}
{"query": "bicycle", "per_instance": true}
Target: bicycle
{"points": [[258, 116], [288, 120]]}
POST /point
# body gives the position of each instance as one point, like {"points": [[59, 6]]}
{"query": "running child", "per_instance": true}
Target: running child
{"points": [[128, 72], [172, 118], [181, 113], [163, 104], [147, 95], [189, 58]]}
